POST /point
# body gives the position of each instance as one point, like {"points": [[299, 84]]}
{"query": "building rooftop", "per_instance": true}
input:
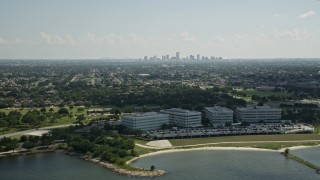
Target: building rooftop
{"points": [[178, 110], [144, 114], [219, 109], [257, 107]]}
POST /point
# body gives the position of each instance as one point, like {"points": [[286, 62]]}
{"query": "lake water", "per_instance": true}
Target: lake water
{"points": [[200, 164], [231, 164], [310, 154]]}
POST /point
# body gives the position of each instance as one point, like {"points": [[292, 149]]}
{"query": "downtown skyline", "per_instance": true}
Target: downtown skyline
{"points": [[134, 29]]}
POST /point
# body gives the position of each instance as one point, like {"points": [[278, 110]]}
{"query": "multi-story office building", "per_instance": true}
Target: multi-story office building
{"points": [[145, 121], [219, 116], [183, 118], [254, 114]]}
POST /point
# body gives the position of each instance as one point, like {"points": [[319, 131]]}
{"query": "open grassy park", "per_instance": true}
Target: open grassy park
{"points": [[248, 93], [69, 119], [251, 92]]}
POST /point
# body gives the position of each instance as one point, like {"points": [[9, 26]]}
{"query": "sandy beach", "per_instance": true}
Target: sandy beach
{"points": [[298, 147]]}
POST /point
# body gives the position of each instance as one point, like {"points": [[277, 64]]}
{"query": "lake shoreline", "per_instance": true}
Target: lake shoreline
{"points": [[139, 172], [164, 151], [125, 172]]}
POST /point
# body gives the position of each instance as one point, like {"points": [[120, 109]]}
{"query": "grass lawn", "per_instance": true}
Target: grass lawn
{"points": [[281, 137], [141, 150], [61, 121], [139, 141], [6, 130], [316, 128], [251, 92]]}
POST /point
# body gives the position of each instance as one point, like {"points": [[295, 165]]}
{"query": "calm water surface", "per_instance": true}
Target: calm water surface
{"points": [[200, 164], [218, 164], [310, 154]]}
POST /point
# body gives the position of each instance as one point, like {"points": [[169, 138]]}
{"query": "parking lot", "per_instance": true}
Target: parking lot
{"points": [[254, 129]]}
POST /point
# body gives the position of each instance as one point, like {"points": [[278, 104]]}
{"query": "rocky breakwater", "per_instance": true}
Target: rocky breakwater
{"points": [[137, 172]]}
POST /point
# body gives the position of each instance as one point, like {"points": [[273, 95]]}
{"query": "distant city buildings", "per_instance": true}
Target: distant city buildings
{"points": [[183, 118], [219, 116], [145, 121], [255, 114], [198, 57], [178, 57]]}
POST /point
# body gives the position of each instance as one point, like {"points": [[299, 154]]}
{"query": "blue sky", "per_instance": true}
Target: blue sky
{"points": [[134, 28]]}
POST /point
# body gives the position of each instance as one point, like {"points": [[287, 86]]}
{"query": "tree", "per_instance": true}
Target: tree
{"points": [[43, 109], [117, 111], [3, 123], [286, 151], [63, 111], [29, 145], [33, 118], [2, 116], [8, 144], [46, 139], [152, 168], [80, 118], [23, 138], [80, 109], [13, 118], [260, 103]]}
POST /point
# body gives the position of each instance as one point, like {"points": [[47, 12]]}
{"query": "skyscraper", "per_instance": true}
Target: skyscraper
{"points": [[198, 56], [178, 55]]}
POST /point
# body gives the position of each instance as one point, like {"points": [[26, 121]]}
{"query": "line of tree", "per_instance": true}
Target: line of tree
{"points": [[32, 118]]}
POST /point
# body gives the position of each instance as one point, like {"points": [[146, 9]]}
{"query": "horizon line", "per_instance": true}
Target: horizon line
{"points": [[273, 58]]}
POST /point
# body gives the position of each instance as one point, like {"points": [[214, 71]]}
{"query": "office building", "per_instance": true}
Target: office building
{"points": [[177, 55], [255, 114], [183, 118], [219, 116], [198, 57], [145, 121]]}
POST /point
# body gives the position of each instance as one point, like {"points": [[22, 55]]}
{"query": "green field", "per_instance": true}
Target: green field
{"points": [[251, 92], [141, 150], [55, 109], [281, 137], [316, 128], [139, 141], [61, 121]]}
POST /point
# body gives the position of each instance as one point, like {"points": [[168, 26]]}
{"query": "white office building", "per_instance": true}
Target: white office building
{"points": [[254, 114], [145, 121], [183, 118], [219, 116]]}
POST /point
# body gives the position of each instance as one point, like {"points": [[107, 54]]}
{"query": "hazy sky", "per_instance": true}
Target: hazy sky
{"points": [[134, 28]]}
